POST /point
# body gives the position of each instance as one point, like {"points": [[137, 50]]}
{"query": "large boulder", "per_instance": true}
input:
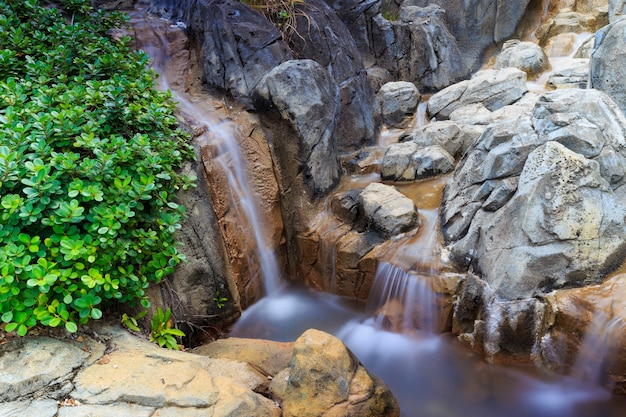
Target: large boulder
{"points": [[398, 103], [608, 62], [561, 174], [525, 56], [306, 96], [409, 162], [326, 379], [418, 48], [387, 210], [491, 88]]}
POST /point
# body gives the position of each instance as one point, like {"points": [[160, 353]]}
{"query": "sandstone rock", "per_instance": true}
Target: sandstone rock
{"points": [[114, 410], [398, 103], [408, 162], [325, 378], [569, 21], [494, 89], [388, 211], [307, 97], [525, 56], [607, 68]]}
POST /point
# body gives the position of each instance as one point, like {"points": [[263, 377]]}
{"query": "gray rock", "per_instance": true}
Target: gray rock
{"points": [[475, 114], [408, 162], [525, 56], [388, 210], [617, 9], [418, 48], [492, 88], [307, 97], [398, 103], [35, 408], [113, 410], [572, 77], [452, 137], [608, 68]]}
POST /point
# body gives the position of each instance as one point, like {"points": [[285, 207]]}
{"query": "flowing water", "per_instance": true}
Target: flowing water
{"points": [[431, 375]]}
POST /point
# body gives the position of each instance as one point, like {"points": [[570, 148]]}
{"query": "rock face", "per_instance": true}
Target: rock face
{"points": [[418, 48], [560, 173], [307, 97], [408, 162], [325, 378], [608, 65], [525, 56]]}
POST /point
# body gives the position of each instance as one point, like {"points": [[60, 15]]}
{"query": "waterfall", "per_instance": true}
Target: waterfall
{"points": [[221, 138]]}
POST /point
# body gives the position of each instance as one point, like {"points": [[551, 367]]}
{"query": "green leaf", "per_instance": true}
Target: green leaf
{"points": [[7, 317], [71, 327]]}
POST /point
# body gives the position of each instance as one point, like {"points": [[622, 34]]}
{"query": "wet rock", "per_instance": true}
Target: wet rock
{"points": [[418, 48], [388, 210], [307, 97], [570, 21], [525, 56], [325, 378], [493, 88], [408, 162], [398, 103], [573, 77], [594, 312], [345, 205], [607, 67]]}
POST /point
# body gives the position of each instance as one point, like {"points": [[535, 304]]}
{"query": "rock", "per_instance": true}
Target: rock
{"points": [[398, 103], [586, 48], [493, 88], [345, 205], [387, 210], [408, 162], [607, 68], [562, 178], [307, 97], [321, 36], [572, 77], [476, 114], [452, 137], [525, 56], [569, 21], [114, 410], [617, 9], [418, 48], [325, 378], [35, 408], [581, 314]]}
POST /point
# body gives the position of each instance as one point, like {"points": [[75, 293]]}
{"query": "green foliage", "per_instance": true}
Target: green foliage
{"points": [[220, 300], [162, 331], [132, 322], [88, 158], [282, 13], [390, 10]]}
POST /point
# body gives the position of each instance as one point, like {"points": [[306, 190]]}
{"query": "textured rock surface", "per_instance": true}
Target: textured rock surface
{"points": [[408, 162], [388, 210], [608, 62], [525, 56], [572, 77], [492, 88], [332, 382], [398, 103], [564, 174]]}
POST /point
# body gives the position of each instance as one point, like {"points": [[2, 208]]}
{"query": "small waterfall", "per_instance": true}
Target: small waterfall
{"points": [[401, 301], [222, 139], [595, 349]]}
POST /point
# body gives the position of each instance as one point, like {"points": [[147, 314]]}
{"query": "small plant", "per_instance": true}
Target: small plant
{"points": [[282, 13], [390, 11], [132, 322], [162, 331], [219, 300]]}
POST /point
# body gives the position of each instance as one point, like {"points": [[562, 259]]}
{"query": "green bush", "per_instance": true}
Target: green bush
{"points": [[89, 153]]}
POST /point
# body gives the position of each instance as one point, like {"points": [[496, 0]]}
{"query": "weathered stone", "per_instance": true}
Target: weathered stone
{"points": [[307, 97], [398, 103], [572, 77], [35, 408], [475, 113], [494, 89], [408, 162], [570, 21], [388, 211], [345, 205], [608, 68], [418, 48], [326, 379], [112, 410], [452, 137], [617, 9], [525, 56]]}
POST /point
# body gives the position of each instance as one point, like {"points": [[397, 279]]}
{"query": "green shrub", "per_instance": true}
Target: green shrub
{"points": [[89, 153]]}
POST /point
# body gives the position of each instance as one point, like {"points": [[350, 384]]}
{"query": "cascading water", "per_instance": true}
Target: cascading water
{"points": [[428, 373], [221, 139]]}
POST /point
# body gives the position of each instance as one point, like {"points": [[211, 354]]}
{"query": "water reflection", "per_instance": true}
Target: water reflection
{"points": [[430, 375]]}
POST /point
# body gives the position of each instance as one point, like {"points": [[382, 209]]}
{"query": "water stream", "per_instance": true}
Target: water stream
{"points": [[431, 375]]}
